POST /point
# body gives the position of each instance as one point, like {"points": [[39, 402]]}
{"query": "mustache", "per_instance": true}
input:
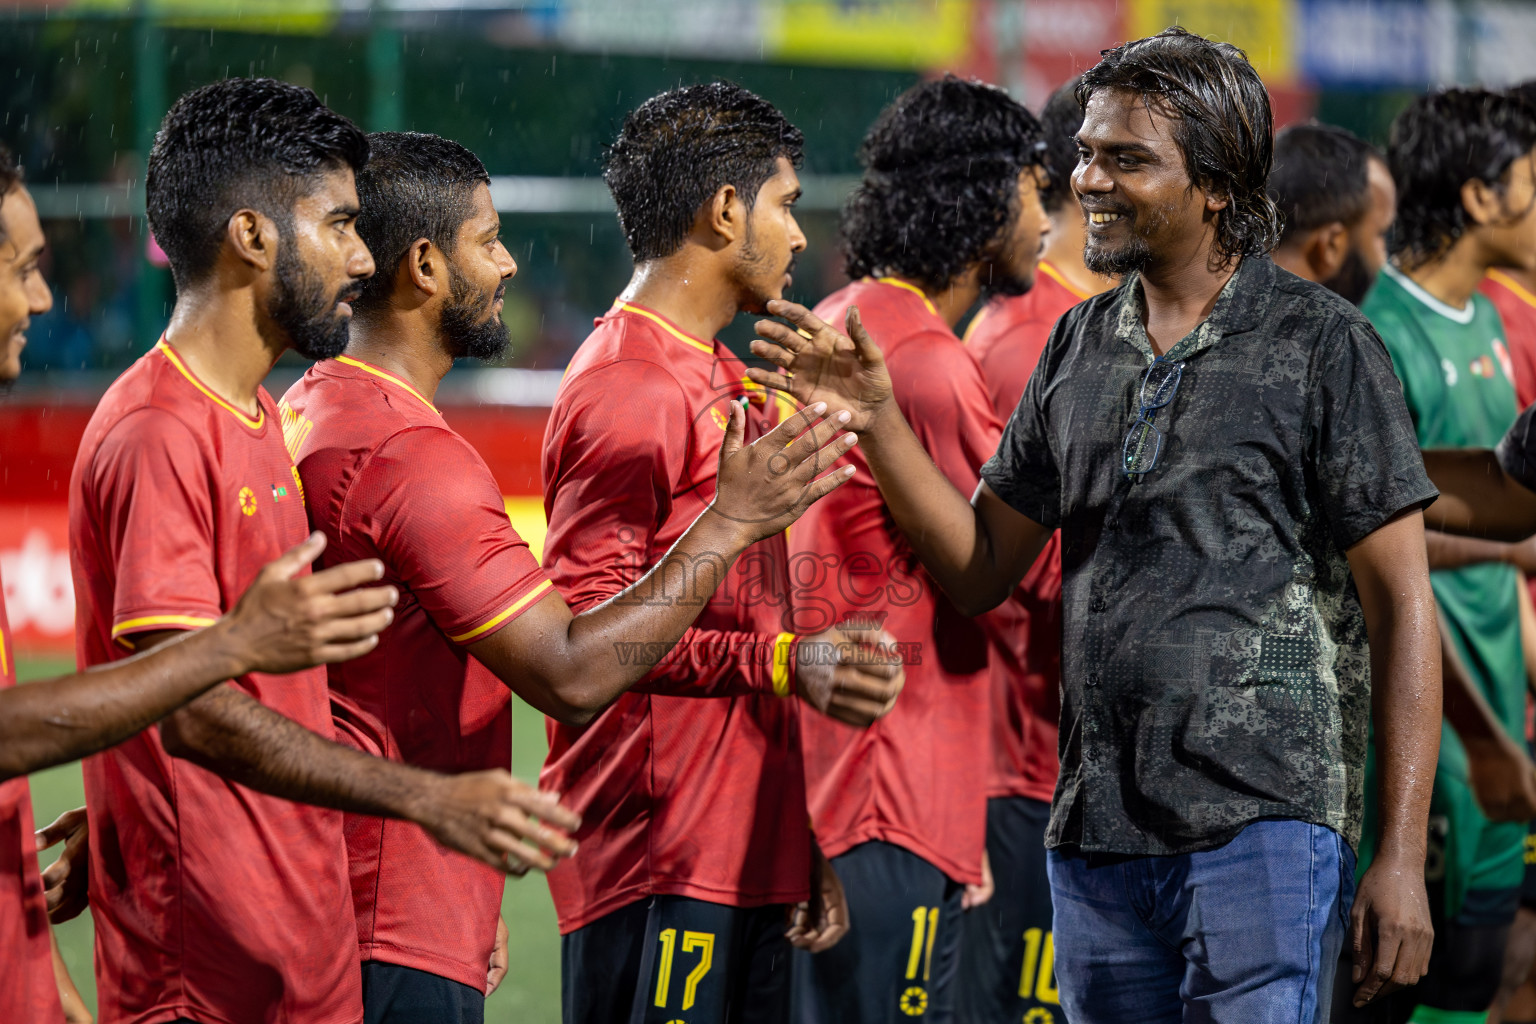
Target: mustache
{"points": [[793, 262], [501, 293], [351, 293]]}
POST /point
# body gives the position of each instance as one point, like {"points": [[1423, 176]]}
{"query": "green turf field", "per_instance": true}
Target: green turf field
{"points": [[531, 991]]}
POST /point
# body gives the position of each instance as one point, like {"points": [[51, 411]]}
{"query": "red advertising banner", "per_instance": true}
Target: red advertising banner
{"points": [[40, 441]]}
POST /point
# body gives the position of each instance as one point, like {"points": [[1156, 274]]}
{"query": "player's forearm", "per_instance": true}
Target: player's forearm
{"points": [[610, 647], [1463, 704], [1406, 708], [1447, 551], [1477, 497], [938, 521], [235, 736], [58, 720]]}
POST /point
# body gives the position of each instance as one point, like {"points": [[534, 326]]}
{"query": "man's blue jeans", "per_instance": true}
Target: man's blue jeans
{"points": [[1246, 933]]}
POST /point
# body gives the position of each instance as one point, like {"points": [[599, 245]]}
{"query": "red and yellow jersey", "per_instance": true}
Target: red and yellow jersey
{"points": [[1007, 338], [27, 989], [211, 901], [1517, 309], [917, 778], [678, 795], [386, 478]]}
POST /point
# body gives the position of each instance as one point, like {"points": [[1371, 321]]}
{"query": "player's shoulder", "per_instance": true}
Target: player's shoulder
{"points": [[626, 358], [150, 402], [1310, 303]]}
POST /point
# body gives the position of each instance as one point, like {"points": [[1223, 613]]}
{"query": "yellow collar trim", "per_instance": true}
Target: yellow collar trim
{"points": [[1513, 285], [170, 353], [970, 328], [389, 377], [914, 289], [1057, 276], [630, 307]]}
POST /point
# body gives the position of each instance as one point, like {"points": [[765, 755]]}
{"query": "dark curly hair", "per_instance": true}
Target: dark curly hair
{"points": [[1439, 143], [242, 142], [941, 181], [1060, 119], [10, 177], [414, 186], [1223, 124], [679, 148]]}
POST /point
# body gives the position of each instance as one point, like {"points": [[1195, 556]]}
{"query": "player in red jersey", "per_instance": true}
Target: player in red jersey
{"points": [[215, 898], [1513, 293], [478, 618], [948, 212], [279, 625], [694, 834], [1006, 954]]}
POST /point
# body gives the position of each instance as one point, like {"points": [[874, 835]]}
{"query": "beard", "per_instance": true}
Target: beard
{"points": [[468, 324], [1353, 280], [758, 281], [301, 308], [1134, 255]]}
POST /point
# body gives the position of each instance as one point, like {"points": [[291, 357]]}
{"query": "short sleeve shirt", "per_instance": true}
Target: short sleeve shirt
{"points": [[1215, 667], [385, 477], [211, 900], [678, 795]]}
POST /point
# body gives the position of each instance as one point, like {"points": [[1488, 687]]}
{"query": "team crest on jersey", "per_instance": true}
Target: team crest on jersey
{"points": [[1482, 366], [247, 501]]}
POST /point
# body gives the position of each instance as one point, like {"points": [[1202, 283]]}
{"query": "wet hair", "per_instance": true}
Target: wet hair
{"points": [[1319, 177], [677, 149], [1222, 124], [1439, 143], [941, 181], [10, 177], [414, 186], [241, 143], [1060, 119]]}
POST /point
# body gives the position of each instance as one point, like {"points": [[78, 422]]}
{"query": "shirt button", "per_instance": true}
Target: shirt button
{"points": [[1093, 679], [1096, 604]]}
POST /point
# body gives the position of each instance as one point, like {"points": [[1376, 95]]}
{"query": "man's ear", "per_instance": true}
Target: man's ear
{"points": [[726, 215], [424, 266], [253, 236], [1327, 248], [1215, 202], [1483, 203]]}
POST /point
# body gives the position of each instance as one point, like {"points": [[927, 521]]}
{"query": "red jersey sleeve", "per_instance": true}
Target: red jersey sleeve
{"points": [[153, 492], [940, 391], [625, 439], [437, 518]]}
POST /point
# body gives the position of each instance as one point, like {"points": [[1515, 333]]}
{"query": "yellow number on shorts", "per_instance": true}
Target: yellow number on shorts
{"points": [[1039, 952], [668, 939], [925, 926], [704, 942]]}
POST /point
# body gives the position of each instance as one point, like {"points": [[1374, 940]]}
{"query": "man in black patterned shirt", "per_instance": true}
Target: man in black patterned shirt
{"points": [[1227, 453]]}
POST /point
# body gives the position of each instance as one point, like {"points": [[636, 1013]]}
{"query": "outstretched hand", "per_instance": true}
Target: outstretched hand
{"points": [[852, 673], [764, 486], [499, 820], [846, 371]]}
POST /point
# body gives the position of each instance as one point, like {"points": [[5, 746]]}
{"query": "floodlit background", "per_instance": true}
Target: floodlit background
{"points": [[537, 89]]}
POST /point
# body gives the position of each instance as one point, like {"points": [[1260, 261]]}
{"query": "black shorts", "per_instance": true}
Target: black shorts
{"points": [[404, 995], [900, 957], [1006, 950], [1528, 883], [671, 958], [1466, 962]]}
